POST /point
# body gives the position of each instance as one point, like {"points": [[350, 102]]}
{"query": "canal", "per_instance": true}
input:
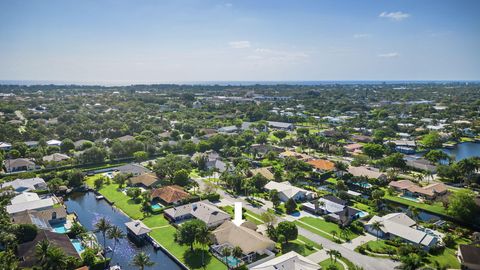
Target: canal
{"points": [[89, 211], [463, 150]]}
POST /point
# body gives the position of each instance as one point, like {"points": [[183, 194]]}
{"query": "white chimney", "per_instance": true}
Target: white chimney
{"points": [[237, 220]]}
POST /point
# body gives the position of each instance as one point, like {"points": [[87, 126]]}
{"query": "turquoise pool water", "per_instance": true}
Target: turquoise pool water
{"points": [[362, 214], [157, 206], [411, 198], [233, 262], [59, 228], [77, 245]]}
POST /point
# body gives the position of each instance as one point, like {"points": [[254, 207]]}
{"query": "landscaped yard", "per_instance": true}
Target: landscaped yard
{"points": [[302, 246], [326, 227], [327, 262], [435, 207]]}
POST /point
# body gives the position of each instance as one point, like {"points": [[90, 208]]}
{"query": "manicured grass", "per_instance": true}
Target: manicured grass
{"points": [[326, 226], [378, 246], [435, 207], [305, 240], [364, 207], [331, 180], [298, 247], [327, 262], [118, 198], [447, 259]]}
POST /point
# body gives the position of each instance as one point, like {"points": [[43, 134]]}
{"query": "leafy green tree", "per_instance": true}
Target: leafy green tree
{"points": [[432, 140], [274, 197], [89, 257], [262, 138], [93, 155], [410, 262], [290, 206], [26, 232], [140, 156], [187, 234], [287, 229], [134, 193], [120, 179], [8, 260], [67, 145], [373, 150], [166, 167], [99, 182], [462, 205], [436, 156], [181, 177], [75, 178]]}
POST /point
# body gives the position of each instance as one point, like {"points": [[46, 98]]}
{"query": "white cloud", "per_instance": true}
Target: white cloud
{"points": [[361, 35], [243, 44], [388, 55], [394, 16]]}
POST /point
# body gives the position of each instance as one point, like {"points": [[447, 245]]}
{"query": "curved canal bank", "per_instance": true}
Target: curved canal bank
{"points": [[89, 211]]}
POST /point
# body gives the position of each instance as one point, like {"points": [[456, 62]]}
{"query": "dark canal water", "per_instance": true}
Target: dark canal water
{"points": [[464, 150], [89, 211]]}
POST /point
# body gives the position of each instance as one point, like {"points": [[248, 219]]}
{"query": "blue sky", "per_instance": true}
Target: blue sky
{"points": [[119, 41]]}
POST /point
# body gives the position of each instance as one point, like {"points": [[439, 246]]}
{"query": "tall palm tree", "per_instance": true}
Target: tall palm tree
{"points": [[377, 226], [103, 225], [336, 254], [142, 260], [203, 238], [237, 253], [41, 250], [225, 253], [115, 233], [55, 259]]}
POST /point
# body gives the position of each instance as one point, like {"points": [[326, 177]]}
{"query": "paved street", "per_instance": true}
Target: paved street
{"points": [[368, 263]]}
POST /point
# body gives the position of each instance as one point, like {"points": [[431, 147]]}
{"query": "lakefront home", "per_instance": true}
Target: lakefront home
{"points": [[202, 210]]}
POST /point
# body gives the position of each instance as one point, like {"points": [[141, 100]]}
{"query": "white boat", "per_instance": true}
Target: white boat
{"points": [[99, 197], [115, 267]]}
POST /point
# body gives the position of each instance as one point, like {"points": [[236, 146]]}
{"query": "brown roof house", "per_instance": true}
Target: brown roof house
{"points": [[322, 165], [19, 164], [411, 189], [203, 210], [469, 256], [145, 179], [170, 194], [26, 251], [265, 172], [368, 172]]}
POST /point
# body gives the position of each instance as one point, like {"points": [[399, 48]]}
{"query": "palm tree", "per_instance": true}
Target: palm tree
{"points": [[116, 234], [55, 259], [203, 238], [330, 253], [377, 226], [237, 253], [41, 250], [142, 260], [334, 234], [413, 212], [336, 254], [225, 253], [103, 225]]}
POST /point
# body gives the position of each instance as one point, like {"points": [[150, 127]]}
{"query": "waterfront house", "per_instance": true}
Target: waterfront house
{"points": [[287, 191], [28, 184], [42, 218], [55, 157], [288, 261], [420, 164], [202, 210], [399, 225], [19, 164], [145, 179], [131, 168], [169, 194], [39, 204], [27, 251], [409, 188]]}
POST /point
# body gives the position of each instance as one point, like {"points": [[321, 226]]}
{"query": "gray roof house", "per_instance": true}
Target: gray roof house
{"points": [[31, 205], [29, 184], [203, 210], [281, 125], [19, 164], [401, 226], [55, 157], [133, 168]]}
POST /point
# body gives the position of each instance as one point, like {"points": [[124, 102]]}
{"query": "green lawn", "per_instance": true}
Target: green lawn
{"points": [[298, 247], [364, 207], [327, 262], [325, 226], [120, 200], [378, 246], [435, 207], [250, 216]]}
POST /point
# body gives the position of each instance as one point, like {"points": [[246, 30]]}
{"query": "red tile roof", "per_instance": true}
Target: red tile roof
{"points": [[170, 194]]}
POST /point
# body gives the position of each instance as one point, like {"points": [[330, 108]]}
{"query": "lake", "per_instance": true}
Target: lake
{"points": [[464, 150], [89, 210]]}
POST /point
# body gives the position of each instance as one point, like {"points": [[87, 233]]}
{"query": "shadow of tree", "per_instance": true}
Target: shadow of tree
{"points": [[193, 259]]}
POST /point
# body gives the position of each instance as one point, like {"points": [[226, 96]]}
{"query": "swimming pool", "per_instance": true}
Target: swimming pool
{"points": [[59, 228], [411, 198], [362, 214], [233, 262], [157, 206], [77, 244]]}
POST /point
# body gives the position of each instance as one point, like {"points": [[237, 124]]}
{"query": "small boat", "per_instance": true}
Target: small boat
{"points": [[99, 197], [115, 267]]}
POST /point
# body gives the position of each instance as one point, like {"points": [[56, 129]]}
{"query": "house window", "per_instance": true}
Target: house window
{"points": [[54, 215]]}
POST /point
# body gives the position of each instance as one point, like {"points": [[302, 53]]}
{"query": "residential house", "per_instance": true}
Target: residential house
{"points": [[138, 230], [79, 144], [322, 165], [132, 168], [31, 144], [264, 171], [202, 210], [5, 146], [23, 205], [353, 147], [369, 172], [299, 156], [126, 138], [54, 143], [55, 157], [145, 179], [287, 191], [469, 256], [232, 129], [42, 218], [409, 188], [288, 261], [262, 149], [399, 225], [27, 251], [24, 185], [421, 164], [362, 138], [19, 164], [280, 125], [244, 236], [170, 194], [336, 209]]}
